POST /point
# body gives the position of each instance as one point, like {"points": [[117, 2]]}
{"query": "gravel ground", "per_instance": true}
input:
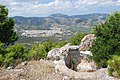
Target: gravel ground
{"points": [[44, 70]]}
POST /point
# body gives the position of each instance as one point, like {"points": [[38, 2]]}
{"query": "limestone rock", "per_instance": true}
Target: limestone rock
{"points": [[53, 54], [86, 66], [58, 53], [86, 53], [66, 78], [86, 42], [24, 63]]}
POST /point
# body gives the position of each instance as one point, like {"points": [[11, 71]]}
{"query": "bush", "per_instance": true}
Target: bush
{"points": [[76, 39], [2, 52], [114, 66], [48, 45], [40, 50], [60, 44], [108, 40], [15, 54], [37, 52], [1, 59]]}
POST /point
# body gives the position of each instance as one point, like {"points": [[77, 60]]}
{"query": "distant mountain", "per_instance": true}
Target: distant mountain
{"points": [[59, 20], [59, 15]]}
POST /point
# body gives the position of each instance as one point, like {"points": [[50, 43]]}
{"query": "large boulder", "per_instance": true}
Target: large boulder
{"points": [[73, 57], [64, 51], [58, 53], [86, 42], [54, 54], [86, 66]]}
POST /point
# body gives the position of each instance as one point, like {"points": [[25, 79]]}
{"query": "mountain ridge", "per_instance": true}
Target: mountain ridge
{"points": [[59, 20]]}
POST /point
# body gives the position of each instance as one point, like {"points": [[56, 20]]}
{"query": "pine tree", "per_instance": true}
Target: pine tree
{"points": [[7, 33]]}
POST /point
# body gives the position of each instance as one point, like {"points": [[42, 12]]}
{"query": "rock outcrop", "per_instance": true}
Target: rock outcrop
{"points": [[86, 66], [75, 57], [86, 42], [54, 54], [58, 53]]}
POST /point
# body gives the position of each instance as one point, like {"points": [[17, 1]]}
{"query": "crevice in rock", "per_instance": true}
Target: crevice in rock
{"points": [[73, 59]]}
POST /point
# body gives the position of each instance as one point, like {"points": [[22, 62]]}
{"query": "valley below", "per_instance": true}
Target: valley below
{"points": [[56, 27]]}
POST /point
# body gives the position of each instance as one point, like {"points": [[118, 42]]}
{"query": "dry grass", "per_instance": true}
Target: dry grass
{"points": [[34, 70]]}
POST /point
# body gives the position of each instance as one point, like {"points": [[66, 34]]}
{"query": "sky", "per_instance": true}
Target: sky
{"points": [[42, 8]]}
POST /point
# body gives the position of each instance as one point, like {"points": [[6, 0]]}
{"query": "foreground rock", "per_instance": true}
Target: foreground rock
{"points": [[100, 74], [58, 53], [86, 66], [45, 70], [74, 63]]}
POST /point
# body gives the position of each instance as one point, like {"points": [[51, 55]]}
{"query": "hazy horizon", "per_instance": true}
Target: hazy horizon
{"points": [[44, 8], [59, 13]]}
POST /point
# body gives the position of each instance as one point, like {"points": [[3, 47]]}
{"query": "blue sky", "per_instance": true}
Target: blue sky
{"points": [[69, 7]]}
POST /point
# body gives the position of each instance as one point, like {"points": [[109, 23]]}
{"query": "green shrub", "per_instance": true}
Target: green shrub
{"points": [[15, 54], [40, 50], [76, 39], [114, 66], [48, 45], [37, 52], [60, 44], [1, 59], [2, 52], [2, 49], [108, 40]]}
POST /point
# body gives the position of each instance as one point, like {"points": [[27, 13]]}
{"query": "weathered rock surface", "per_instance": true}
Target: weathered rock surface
{"points": [[45, 70], [74, 64], [71, 55], [86, 42], [54, 54], [86, 66], [100, 74], [58, 53]]}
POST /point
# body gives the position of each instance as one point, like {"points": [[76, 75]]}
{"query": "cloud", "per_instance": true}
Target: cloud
{"points": [[94, 3], [36, 7]]}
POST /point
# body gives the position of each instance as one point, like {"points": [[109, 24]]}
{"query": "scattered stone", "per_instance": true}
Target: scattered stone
{"points": [[24, 63], [65, 78], [11, 67], [41, 60]]}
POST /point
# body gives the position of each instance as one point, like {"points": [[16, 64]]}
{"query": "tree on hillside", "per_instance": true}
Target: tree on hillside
{"points": [[7, 33], [108, 40]]}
